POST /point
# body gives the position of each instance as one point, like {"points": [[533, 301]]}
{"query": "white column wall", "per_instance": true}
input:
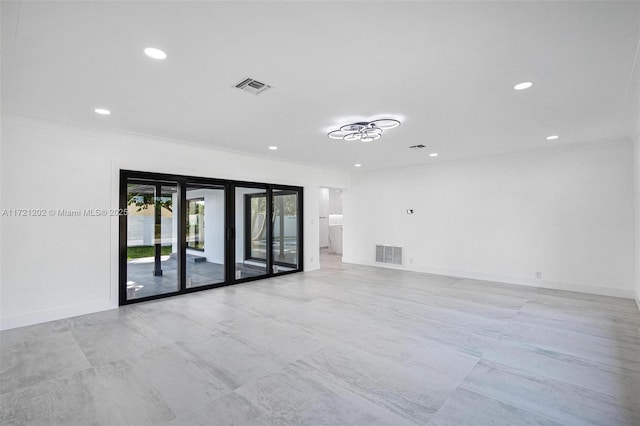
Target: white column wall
{"points": [[636, 169]]}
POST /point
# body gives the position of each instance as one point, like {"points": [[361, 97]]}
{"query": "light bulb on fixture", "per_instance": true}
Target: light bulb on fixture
{"points": [[524, 85], [364, 131], [154, 53]]}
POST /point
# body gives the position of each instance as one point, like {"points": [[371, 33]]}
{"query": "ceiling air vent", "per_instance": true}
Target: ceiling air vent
{"points": [[417, 146], [252, 86]]}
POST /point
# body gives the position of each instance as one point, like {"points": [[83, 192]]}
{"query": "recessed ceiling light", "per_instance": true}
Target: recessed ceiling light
{"points": [[273, 148], [154, 53], [102, 111], [433, 154], [357, 165], [552, 137], [524, 85]]}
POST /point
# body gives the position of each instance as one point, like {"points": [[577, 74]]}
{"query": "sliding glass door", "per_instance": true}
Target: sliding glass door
{"points": [[152, 244], [251, 232], [183, 234], [205, 234], [284, 244]]}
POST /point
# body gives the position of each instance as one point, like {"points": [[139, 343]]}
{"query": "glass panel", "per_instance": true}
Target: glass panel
{"points": [[195, 223], [205, 235], [257, 221], [285, 231], [151, 239], [251, 232]]}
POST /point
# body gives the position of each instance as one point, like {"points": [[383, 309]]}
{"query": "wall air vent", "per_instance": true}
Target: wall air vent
{"points": [[252, 86], [417, 146], [389, 254]]}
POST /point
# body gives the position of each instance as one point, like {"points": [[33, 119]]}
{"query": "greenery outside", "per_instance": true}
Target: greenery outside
{"points": [[146, 251], [143, 200]]}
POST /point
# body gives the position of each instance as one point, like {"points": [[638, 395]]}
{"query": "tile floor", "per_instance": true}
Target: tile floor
{"points": [[346, 345]]}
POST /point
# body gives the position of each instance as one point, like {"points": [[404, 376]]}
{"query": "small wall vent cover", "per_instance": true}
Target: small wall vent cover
{"points": [[389, 254], [252, 86]]}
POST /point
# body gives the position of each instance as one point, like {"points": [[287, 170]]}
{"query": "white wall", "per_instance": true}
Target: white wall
{"points": [[636, 168], [566, 212], [56, 267], [335, 201], [631, 114]]}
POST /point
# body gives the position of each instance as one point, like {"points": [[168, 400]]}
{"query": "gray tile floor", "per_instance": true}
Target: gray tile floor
{"points": [[344, 345]]}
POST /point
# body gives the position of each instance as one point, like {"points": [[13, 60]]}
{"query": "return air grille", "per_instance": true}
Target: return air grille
{"points": [[252, 86], [389, 254]]}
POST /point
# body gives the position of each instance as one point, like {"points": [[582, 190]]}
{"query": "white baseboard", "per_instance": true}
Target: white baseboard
{"points": [[530, 282], [38, 317]]}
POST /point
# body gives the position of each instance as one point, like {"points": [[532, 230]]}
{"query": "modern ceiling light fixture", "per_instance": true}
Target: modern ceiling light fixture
{"points": [[102, 111], [552, 137], [364, 131]]}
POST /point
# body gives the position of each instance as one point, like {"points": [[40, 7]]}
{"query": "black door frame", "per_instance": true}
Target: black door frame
{"points": [[229, 186], [275, 193], [270, 225]]}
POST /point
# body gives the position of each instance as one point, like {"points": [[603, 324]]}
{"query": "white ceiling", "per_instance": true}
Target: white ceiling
{"points": [[446, 69]]}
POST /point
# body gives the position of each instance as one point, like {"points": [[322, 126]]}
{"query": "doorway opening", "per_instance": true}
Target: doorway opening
{"points": [[330, 223]]}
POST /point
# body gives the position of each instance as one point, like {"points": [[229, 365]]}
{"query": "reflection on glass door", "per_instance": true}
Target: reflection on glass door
{"points": [[251, 232], [195, 223], [205, 233], [151, 239], [256, 223], [285, 230]]}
